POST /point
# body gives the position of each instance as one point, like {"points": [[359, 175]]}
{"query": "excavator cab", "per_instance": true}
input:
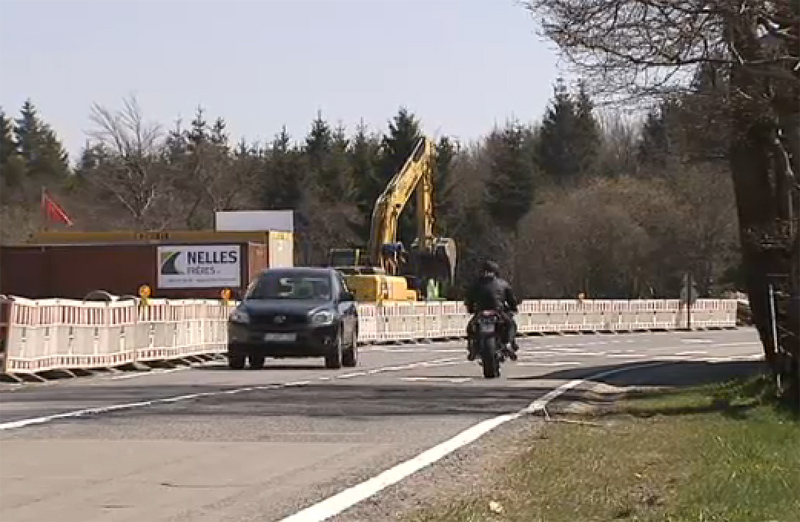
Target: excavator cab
{"points": [[346, 257]]}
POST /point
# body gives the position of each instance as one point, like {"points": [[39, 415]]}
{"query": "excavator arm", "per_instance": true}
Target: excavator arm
{"points": [[390, 204], [383, 273], [431, 258]]}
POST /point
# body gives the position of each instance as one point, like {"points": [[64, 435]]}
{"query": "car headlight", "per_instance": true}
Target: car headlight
{"points": [[239, 317], [322, 317]]}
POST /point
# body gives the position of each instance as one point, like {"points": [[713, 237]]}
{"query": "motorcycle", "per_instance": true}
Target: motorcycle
{"points": [[487, 337]]}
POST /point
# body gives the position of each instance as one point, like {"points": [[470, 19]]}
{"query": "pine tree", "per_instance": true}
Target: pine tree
{"points": [[176, 144], [284, 178], [7, 145], [317, 153], [442, 182], [557, 152], [588, 136], [365, 164], [657, 145], [219, 134], [44, 156], [397, 146], [404, 131], [198, 133], [340, 168], [509, 191], [92, 156], [12, 167]]}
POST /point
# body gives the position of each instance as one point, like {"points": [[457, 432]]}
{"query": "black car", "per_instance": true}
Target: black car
{"points": [[295, 312]]}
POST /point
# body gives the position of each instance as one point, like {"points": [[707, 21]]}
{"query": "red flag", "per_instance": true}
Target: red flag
{"points": [[53, 211]]}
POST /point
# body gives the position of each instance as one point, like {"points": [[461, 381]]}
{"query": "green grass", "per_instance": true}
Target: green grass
{"points": [[715, 453]]}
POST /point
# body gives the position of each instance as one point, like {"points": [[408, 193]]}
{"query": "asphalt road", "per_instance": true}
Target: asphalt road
{"points": [[211, 444]]}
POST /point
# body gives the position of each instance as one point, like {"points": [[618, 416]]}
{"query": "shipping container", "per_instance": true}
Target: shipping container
{"points": [[281, 244], [172, 270]]}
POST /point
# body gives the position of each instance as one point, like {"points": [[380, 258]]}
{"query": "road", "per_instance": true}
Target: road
{"points": [[211, 444]]}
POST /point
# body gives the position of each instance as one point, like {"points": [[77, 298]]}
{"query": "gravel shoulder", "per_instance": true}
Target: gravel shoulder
{"points": [[473, 470], [464, 473]]}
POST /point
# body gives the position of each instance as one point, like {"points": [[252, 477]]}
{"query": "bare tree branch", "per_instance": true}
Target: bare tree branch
{"points": [[132, 173]]}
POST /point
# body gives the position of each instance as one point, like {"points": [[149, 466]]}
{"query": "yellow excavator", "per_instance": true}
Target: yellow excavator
{"points": [[385, 271]]}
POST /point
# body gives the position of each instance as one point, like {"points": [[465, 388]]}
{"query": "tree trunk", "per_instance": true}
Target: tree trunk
{"points": [[765, 231]]}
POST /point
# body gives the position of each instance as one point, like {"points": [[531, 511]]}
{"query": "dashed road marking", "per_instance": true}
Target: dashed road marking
{"points": [[454, 380], [565, 363], [180, 398]]}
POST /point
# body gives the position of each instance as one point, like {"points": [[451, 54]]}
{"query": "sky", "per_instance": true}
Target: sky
{"points": [[461, 66]]}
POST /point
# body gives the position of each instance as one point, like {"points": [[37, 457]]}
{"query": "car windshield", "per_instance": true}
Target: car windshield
{"points": [[291, 286]]}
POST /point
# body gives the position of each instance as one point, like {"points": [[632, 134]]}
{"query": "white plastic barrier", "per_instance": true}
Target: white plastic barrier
{"points": [[65, 334]]}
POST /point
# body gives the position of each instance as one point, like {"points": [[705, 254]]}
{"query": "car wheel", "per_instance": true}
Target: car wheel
{"points": [[333, 359], [236, 359], [256, 361], [350, 356]]}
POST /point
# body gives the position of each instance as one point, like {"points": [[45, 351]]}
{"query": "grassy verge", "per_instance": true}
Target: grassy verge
{"points": [[714, 453]]}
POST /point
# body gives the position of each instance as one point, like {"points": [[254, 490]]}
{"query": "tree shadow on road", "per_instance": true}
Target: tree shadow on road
{"points": [[679, 387], [657, 373], [364, 400]]}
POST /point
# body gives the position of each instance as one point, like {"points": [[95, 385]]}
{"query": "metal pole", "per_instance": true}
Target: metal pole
{"points": [[43, 209], [688, 301], [773, 320]]}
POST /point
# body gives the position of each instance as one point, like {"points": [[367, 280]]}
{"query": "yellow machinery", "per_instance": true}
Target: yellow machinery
{"points": [[383, 271]]}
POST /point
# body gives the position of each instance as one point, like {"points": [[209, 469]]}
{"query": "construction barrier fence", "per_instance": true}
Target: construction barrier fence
{"points": [[52, 334]]}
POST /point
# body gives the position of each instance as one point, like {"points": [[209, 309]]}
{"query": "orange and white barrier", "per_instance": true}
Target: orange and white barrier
{"points": [[64, 334]]}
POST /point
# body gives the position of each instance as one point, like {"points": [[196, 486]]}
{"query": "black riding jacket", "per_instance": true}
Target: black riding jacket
{"points": [[490, 293]]}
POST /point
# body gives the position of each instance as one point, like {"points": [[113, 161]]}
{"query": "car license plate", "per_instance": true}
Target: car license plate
{"points": [[487, 327], [280, 337]]}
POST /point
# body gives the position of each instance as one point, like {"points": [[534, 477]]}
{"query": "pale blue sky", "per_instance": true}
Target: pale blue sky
{"points": [[460, 65]]}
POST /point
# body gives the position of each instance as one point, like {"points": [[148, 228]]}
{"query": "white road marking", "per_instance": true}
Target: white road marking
{"points": [[167, 400], [628, 355], [585, 354], [151, 372], [427, 348], [548, 364], [336, 504], [573, 351], [700, 352], [696, 341], [350, 375], [455, 380], [753, 357]]}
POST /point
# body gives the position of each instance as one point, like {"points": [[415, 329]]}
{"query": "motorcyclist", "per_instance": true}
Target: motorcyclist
{"points": [[490, 292]]}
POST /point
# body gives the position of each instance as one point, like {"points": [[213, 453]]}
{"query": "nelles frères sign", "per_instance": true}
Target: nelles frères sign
{"points": [[201, 266]]}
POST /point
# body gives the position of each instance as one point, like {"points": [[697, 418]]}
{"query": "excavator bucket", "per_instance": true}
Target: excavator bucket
{"points": [[444, 252], [437, 263]]}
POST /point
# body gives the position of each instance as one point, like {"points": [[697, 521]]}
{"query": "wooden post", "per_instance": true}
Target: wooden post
{"points": [[43, 210]]}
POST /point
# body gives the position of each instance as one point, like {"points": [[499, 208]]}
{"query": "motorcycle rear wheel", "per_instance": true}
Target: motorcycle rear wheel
{"points": [[490, 358]]}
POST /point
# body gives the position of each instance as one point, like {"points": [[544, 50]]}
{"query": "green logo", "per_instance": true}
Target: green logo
{"points": [[168, 260]]}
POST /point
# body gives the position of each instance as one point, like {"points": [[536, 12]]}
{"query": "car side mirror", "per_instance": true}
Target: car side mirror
{"points": [[348, 296]]}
